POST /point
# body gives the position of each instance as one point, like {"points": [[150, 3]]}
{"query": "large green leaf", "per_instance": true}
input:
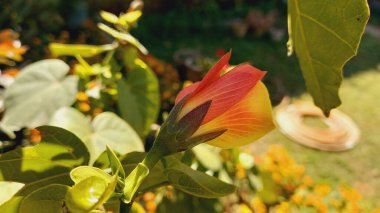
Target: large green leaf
{"points": [[106, 129], [48, 199], [139, 97], [79, 49], [37, 93], [208, 156], [194, 182], [325, 35], [47, 163]]}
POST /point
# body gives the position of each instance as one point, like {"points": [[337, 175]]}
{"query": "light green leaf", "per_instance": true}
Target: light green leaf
{"points": [[83, 172], [325, 35], [115, 163], [194, 182], [208, 156], [134, 181], [156, 176], [116, 168], [8, 189], [79, 49], [109, 17], [48, 199], [89, 194], [106, 129], [47, 163], [124, 37], [37, 93], [139, 97]]}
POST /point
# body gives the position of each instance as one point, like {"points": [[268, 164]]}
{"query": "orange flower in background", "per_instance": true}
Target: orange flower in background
{"points": [[236, 101]]}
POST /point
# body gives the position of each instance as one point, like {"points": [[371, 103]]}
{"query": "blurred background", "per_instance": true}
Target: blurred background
{"points": [[186, 37]]}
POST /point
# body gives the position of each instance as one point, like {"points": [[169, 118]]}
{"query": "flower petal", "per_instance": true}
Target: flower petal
{"points": [[185, 91], [225, 92], [214, 73], [245, 122]]}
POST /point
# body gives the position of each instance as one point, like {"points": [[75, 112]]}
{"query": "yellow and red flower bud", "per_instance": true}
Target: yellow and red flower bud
{"points": [[230, 107]]}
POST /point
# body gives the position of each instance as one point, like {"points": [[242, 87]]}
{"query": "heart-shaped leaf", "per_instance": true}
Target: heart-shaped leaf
{"points": [[325, 35], [194, 182], [47, 163], [48, 199], [139, 97], [39, 90], [107, 129]]}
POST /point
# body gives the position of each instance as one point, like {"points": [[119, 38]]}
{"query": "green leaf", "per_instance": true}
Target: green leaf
{"points": [[124, 37], [32, 99], [106, 129], [48, 199], [208, 156], [79, 49], [89, 194], [116, 168], [8, 189], [109, 17], [134, 181], [325, 35], [47, 163], [194, 182], [139, 97], [83, 172], [156, 175]]}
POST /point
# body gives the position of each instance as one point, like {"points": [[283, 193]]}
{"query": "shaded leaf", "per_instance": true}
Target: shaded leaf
{"points": [[325, 35], [49, 162], [139, 97], [48, 199], [32, 99], [194, 182]]}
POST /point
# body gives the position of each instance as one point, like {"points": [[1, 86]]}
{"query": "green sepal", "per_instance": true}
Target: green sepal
{"points": [[189, 123]]}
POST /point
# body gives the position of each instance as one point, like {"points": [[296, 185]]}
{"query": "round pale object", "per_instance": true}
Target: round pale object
{"points": [[341, 132]]}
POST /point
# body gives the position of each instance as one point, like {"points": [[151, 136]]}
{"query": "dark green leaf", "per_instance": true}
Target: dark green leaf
{"points": [[48, 199], [194, 182], [47, 163], [139, 100]]}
